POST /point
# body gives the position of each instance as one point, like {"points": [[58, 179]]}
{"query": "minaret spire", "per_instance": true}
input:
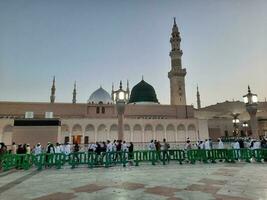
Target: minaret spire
{"points": [[74, 94], [112, 92], [198, 99], [175, 27], [177, 73], [127, 86], [53, 91]]}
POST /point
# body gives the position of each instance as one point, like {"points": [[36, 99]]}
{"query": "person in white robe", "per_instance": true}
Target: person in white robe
{"points": [[109, 146], [220, 144], [201, 145], [151, 146], [57, 148], [38, 149], [67, 149], [124, 147], [207, 145], [114, 146]]}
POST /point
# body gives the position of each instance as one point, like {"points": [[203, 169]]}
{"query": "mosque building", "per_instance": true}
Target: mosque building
{"points": [[144, 118]]}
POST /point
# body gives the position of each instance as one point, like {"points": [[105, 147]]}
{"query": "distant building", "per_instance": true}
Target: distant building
{"points": [[220, 118], [144, 119]]}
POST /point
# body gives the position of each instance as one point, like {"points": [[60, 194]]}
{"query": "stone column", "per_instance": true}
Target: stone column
{"points": [[120, 109], [70, 139], [120, 126], [252, 110]]}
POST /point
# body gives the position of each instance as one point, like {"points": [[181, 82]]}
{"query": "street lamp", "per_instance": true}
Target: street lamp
{"points": [[245, 127], [235, 123], [121, 97], [251, 101]]}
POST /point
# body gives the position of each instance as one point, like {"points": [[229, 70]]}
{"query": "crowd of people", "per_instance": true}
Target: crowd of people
{"points": [[239, 143], [119, 145], [67, 148]]}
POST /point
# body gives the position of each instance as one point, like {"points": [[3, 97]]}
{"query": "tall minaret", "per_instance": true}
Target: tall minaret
{"points": [[177, 73], [198, 99], [53, 91], [74, 93], [128, 90]]}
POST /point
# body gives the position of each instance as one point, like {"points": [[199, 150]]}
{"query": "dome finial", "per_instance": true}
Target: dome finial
{"points": [[120, 84], [249, 91], [174, 20], [142, 77]]}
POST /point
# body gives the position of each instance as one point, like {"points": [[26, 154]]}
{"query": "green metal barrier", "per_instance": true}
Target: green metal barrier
{"points": [[260, 154], [8, 161], [194, 155], [219, 154], [77, 158], [114, 158], [177, 155], [18, 161], [107, 159], [146, 156], [46, 160]]}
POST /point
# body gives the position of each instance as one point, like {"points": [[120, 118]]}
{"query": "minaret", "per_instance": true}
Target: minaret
{"points": [[53, 91], [121, 85], [74, 93], [127, 91], [198, 99], [177, 73], [112, 93]]}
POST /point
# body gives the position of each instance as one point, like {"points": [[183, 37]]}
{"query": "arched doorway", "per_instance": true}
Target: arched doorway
{"points": [[76, 134], [181, 134], [89, 135], [159, 132], [192, 132], [170, 133], [137, 133], [127, 133], [65, 133], [113, 133], [148, 134], [102, 133]]}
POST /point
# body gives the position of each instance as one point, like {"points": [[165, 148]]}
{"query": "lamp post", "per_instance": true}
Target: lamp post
{"points": [[120, 96], [245, 127], [235, 123], [251, 101]]}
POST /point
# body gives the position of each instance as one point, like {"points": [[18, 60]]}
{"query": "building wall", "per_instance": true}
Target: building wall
{"points": [[6, 130], [98, 129], [69, 110], [35, 134]]}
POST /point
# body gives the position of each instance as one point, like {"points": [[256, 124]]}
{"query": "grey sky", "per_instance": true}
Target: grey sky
{"points": [[100, 42]]}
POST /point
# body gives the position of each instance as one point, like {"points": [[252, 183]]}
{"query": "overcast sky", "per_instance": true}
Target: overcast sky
{"points": [[100, 42]]}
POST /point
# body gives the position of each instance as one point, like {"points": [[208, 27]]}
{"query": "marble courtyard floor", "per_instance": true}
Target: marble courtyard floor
{"points": [[238, 181]]}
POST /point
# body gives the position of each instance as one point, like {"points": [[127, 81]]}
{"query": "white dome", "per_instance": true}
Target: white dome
{"points": [[100, 96]]}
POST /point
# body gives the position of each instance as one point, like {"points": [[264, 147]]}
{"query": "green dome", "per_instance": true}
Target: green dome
{"points": [[143, 93]]}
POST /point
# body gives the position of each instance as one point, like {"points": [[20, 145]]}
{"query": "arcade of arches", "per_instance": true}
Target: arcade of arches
{"points": [[135, 133], [83, 131]]}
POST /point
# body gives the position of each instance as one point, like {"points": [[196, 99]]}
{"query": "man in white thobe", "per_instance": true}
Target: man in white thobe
{"points": [[109, 146], [67, 149], [38, 149], [151, 146], [207, 145], [220, 144], [57, 148]]}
